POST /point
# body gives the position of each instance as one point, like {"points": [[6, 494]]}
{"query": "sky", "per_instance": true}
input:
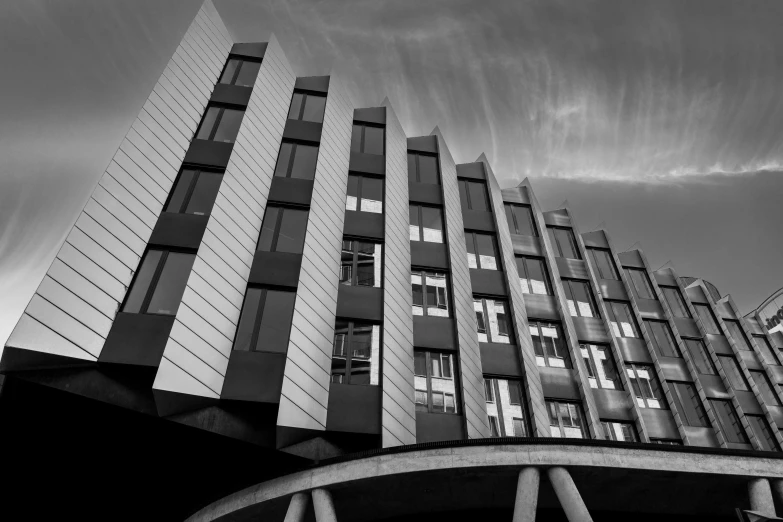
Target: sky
{"points": [[660, 121]]}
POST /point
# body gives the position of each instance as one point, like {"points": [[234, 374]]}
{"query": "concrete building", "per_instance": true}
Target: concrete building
{"points": [[273, 289]]}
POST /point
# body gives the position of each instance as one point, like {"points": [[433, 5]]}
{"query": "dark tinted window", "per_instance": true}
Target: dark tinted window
{"points": [[283, 230], [700, 356], [482, 251], [361, 263], [729, 421], [662, 339], [434, 382], [220, 124], [708, 321], [423, 169], [736, 333], [564, 242], [763, 433], [733, 372], [356, 353], [533, 275], [367, 139], [365, 194], [240, 72], [602, 259], [195, 192], [430, 293], [520, 220], [159, 283], [307, 107], [765, 387], [265, 323], [473, 195], [688, 404], [765, 348], [621, 319], [579, 299], [640, 283], [676, 302], [426, 224], [296, 161]]}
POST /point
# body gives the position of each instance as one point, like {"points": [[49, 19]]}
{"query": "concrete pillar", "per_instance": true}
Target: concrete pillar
{"points": [[296, 508], [527, 496], [761, 496], [323, 506], [568, 495], [777, 489]]}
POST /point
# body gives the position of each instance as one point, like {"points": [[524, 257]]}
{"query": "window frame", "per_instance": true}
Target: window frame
{"points": [[568, 363], [703, 355], [682, 303], [257, 320], [453, 364], [494, 386], [420, 226], [474, 236], [463, 182], [767, 389], [348, 343], [154, 280], [568, 289], [355, 262], [765, 348], [733, 372], [242, 60], [278, 225], [654, 338], [593, 365], [485, 312], [729, 410], [609, 433], [197, 172], [703, 420], [556, 243], [642, 401], [303, 104], [514, 225], [360, 196], [745, 341], [645, 280], [216, 125], [292, 158], [711, 315], [423, 272], [362, 138], [766, 438], [578, 408], [592, 254], [545, 271], [417, 177]]}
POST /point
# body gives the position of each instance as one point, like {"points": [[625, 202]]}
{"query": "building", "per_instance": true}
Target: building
{"points": [[769, 315], [273, 289]]}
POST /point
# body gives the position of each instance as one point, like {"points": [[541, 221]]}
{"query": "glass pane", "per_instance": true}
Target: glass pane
{"points": [[267, 236], [421, 400], [368, 264], [463, 194], [296, 106], [738, 335], [498, 321], [204, 194], [142, 282], [283, 160], [352, 200], [372, 195], [346, 263], [729, 422], [435, 368], [470, 246], [339, 348], [413, 216], [524, 220], [305, 159], [373, 140], [701, 359], [314, 108], [247, 74], [428, 170], [487, 251], [446, 363], [606, 372], [677, 305], [411, 167], [553, 346], [247, 321], [640, 284], [420, 363], [181, 191], [478, 196], [733, 372], [489, 390], [536, 273], [228, 128], [437, 297], [365, 351], [765, 388], [524, 281], [432, 224], [276, 322], [707, 319], [554, 423], [583, 298], [511, 409], [292, 231], [418, 293], [171, 284], [763, 433], [228, 72], [623, 324], [662, 339], [481, 323], [567, 245], [689, 404], [603, 261], [766, 349], [356, 138], [208, 123]]}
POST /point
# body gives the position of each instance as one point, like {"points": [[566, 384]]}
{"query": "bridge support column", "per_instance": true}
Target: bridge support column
{"points": [[568, 495], [527, 495], [760, 495], [323, 506], [296, 508]]}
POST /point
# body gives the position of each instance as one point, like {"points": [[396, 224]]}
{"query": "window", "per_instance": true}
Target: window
{"points": [[296, 161], [356, 353], [220, 124], [760, 428], [662, 339], [505, 407], [565, 420], [602, 259], [580, 298], [426, 224], [733, 372], [688, 404], [283, 230], [645, 386], [601, 370], [423, 169], [482, 251], [307, 107], [361, 263], [676, 303], [520, 220], [640, 283], [492, 320], [367, 139], [473, 195], [549, 345], [265, 323], [430, 294], [533, 275], [436, 389], [668, 442], [765, 387], [240, 72], [708, 321], [736, 333], [195, 192], [765, 348], [159, 283], [365, 194], [620, 431], [563, 242], [700, 356], [729, 421], [621, 319]]}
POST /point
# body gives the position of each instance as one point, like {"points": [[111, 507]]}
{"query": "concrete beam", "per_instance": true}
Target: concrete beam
{"points": [[568, 495], [527, 495]]}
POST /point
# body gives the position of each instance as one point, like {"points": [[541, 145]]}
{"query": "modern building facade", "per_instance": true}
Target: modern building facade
{"points": [[272, 286]]}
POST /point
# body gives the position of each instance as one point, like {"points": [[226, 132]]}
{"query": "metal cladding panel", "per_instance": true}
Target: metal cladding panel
{"points": [[203, 332], [534, 392], [398, 410], [305, 393], [470, 353], [88, 278]]}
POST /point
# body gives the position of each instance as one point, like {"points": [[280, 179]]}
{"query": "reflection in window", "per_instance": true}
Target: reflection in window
{"points": [[708, 321], [579, 298], [566, 420], [195, 192], [765, 387], [283, 230], [220, 124], [482, 251], [728, 421], [646, 387], [736, 333], [520, 220], [434, 382], [765, 348], [640, 283], [601, 370], [549, 345], [563, 242], [240, 72], [620, 431], [505, 407], [307, 107], [473, 195], [533, 275], [764, 434], [733, 372], [700, 356], [265, 323], [296, 161], [662, 339], [159, 283], [360, 263], [367, 139], [492, 320], [426, 224], [602, 260], [667, 442], [621, 319], [356, 353], [430, 294], [365, 194], [676, 302], [686, 400], [423, 168]]}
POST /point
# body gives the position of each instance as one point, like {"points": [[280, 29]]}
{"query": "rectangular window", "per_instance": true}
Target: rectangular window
{"points": [[423, 168], [669, 442], [708, 321], [482, 250], [765, 387], [646, 387], [676, 302], [430, 293], [265, 323], [619, 431], [760, 428], [356, 353], [733, 372], [296, 161], [194, 192], [662, 339], [283, 230], [506, 406], [473, 195], [700, 356], [361, 263], [492, 320], [736, 333], [601, 370], [549, 345], [728, 421], [434, 382], [688, 404], [602, 259], [240, 72], [520, 220], [563, 242], [159, 283], [640, 283], [566, 420], [365, 194], [426, 224], [368, 139], [580, 298], [765, 348], [621, 319], [533, 276], [220, 124], [307, 107]]}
